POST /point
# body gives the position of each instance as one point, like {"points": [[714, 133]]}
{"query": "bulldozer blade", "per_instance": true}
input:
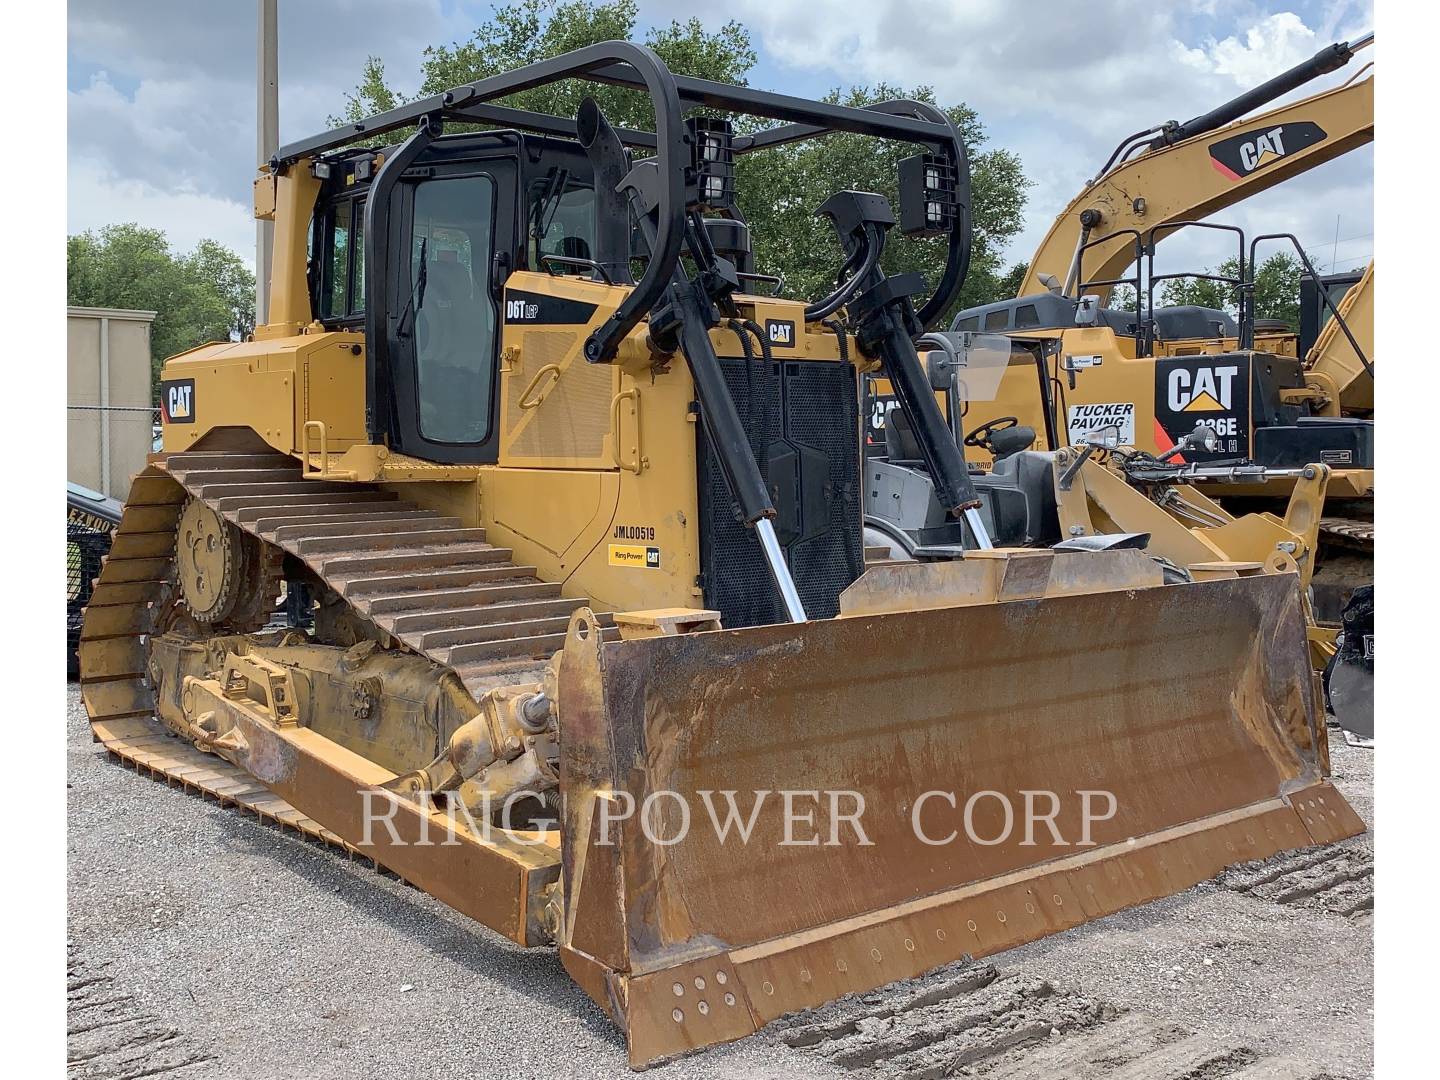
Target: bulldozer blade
{"points": [[920, 786]]}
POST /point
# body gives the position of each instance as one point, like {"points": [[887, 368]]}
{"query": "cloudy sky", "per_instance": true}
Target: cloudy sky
{"points": [[161, 97]]}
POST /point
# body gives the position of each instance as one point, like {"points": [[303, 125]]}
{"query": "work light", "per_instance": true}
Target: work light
{"points": [[713, 161], [927, 195]]}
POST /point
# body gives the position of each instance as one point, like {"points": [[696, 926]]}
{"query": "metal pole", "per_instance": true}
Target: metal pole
{"points": [[978, 530], [267, 142], [105, 406]]}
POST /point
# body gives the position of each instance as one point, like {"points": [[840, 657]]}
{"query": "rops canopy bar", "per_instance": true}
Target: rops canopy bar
{"points": [[621, 63]]}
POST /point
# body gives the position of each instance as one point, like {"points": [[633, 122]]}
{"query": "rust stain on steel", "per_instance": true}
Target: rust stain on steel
{"points": [[1130, 692]]}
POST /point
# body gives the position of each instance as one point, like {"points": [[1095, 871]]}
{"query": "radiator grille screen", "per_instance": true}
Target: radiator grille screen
{"points": [[801, 411]]}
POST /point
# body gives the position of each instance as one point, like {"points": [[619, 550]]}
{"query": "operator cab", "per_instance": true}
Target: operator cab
{"points": [[465, 213], [1052, 311]]}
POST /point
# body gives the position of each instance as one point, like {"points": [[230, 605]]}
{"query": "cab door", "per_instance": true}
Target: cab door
{"points": [[448, 222]]}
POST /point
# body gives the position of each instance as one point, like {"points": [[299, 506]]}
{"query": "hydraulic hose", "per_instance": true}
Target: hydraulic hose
{"points": [[823, 309]]}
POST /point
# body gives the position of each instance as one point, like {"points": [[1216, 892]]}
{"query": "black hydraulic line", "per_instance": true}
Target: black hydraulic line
{"points": [[1331, 58], [748, 352], [767, 384], [1124, 147], [841, 338], [868, 256]]}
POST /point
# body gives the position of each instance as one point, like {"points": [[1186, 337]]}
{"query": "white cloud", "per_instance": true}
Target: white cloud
{"points": [[1275, 43], [97, 197], [1061, 85], [1056, 83], [164, 132]]}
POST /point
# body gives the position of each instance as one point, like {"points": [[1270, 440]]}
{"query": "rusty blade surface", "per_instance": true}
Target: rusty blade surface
{"points": [[1192, 705]]}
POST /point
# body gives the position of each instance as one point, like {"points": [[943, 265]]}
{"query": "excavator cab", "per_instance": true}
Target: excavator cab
{"points": [[591, 651]]}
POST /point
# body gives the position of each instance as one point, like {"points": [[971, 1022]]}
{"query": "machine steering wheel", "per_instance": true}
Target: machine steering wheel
{"points": [[981, 435]]}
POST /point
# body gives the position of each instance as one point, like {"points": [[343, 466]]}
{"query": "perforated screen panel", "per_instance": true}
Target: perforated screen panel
{"points": [[804, 424]]}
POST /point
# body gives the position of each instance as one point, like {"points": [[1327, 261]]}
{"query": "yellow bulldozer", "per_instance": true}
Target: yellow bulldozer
{"points": [[578, 634]]}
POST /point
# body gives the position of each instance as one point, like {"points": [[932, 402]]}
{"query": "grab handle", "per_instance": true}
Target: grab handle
{"points": [[639, 462]]}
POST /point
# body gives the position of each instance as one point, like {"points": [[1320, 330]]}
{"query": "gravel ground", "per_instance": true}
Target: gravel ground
{"points": [[206, 944]]}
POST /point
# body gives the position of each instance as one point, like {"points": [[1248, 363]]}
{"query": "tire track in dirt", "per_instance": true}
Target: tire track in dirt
{"points": [[1337, 880], [971, 1020], [109, 1036]]}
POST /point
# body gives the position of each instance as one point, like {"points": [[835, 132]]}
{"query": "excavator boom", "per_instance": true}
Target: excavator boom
{"points": [[1206, 171]]}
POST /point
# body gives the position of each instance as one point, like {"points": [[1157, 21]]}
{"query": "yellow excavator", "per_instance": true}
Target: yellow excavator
{"points": [[1277, 401], [579, 636]]}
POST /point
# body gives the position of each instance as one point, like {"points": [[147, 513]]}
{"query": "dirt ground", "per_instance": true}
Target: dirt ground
{"points": [[208, 945]]}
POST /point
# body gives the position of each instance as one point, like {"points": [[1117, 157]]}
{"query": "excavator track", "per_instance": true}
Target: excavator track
{"points": [[437, 588], [1351, 532], [1347, 561]]}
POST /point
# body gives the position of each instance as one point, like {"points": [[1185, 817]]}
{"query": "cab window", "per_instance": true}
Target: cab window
{"points": [[450, 258], [562, 219], [342, 271]]}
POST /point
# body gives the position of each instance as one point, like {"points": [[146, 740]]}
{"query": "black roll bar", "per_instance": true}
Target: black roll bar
{"points": [[381, 323], [623, 63]]}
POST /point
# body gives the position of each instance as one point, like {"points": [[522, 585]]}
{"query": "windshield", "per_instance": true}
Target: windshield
{"points": [[562, 219]]}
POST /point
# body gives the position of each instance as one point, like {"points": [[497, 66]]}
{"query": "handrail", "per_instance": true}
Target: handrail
{"points": [[1246, 308], [1134, 282], [1324, 295]]}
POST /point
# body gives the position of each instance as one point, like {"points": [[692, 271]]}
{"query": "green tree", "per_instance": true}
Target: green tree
{"points": [[205, 295], [1277, 289], [779, 189], [532, 30], [1009, 285]]}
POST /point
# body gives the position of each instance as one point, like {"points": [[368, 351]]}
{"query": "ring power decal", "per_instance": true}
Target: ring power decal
{"points": [[635, 555], [1209, 390], [177, 401]]}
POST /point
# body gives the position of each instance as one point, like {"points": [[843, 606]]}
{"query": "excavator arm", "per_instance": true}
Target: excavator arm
{"points": [[1207, 171]]}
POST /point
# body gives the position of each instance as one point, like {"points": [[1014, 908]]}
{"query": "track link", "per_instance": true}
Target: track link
{"points": [[1351, 532], [435, 586]]}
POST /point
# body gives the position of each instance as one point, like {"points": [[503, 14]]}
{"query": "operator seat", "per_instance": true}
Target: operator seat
{"points": [[901, 445]]}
